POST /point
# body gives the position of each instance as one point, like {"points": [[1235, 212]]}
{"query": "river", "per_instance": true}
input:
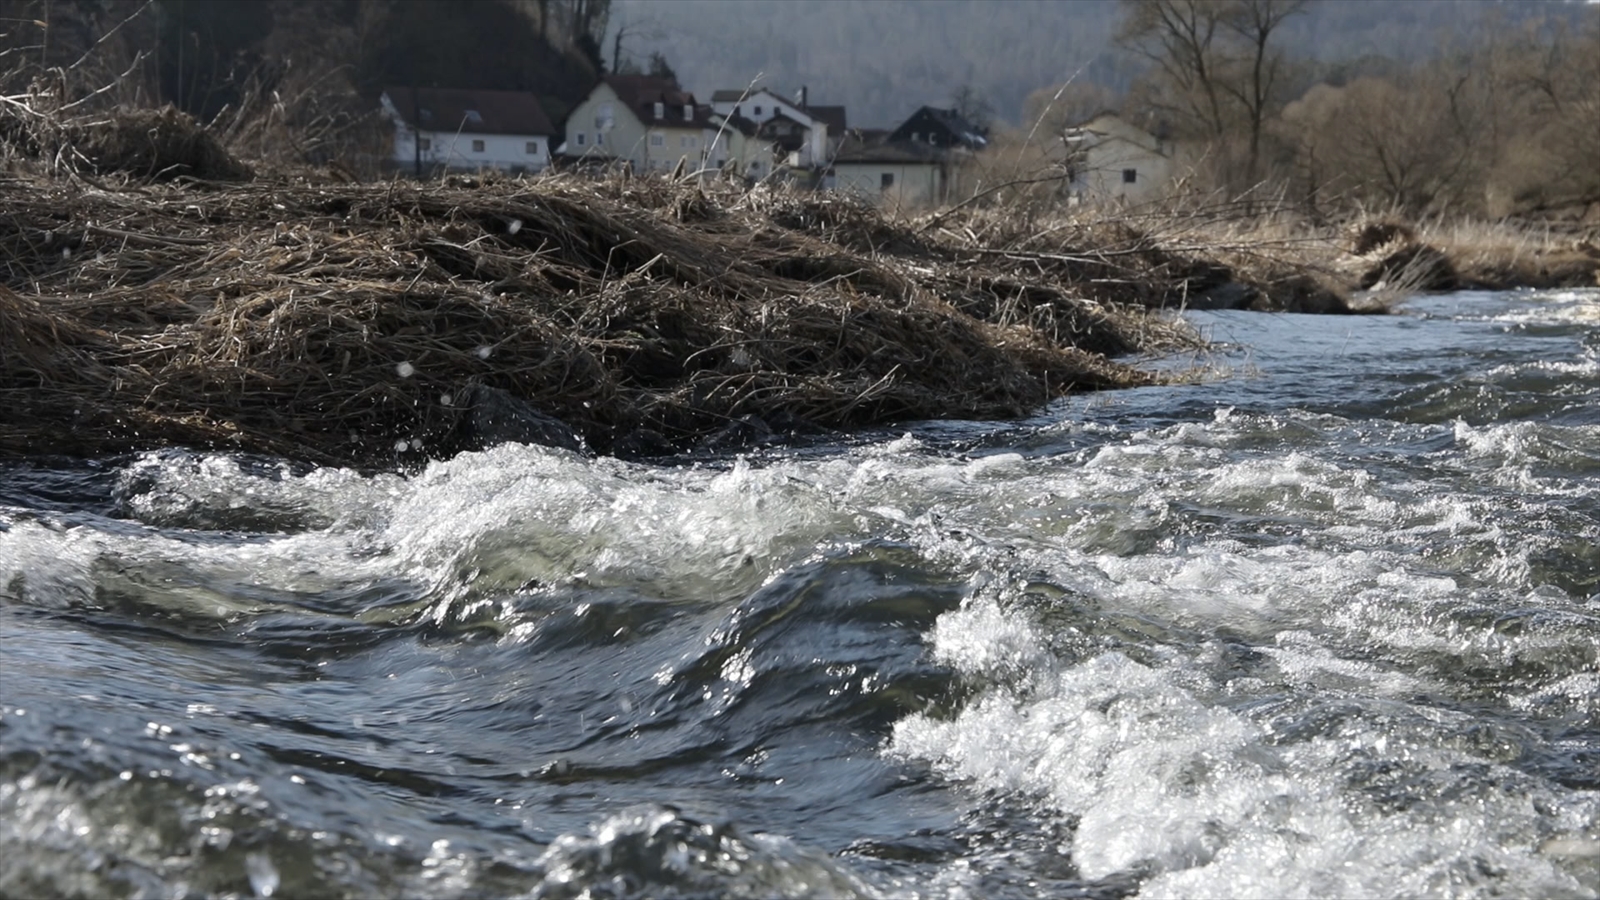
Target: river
{"points": [[1325, 624]]}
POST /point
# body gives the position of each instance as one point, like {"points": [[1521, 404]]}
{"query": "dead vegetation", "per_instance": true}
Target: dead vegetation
{"points": [[154, 291], [348, 323]]}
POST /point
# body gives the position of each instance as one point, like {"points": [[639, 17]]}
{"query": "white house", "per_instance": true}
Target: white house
{"points": [[921, 163], [1111, 158], [896, 175], [808, 134], [467, 129], [645, 121]]}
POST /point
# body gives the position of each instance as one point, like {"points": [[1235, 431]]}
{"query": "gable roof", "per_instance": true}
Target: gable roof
{"points": [[1110, 125], [951, 122], [641, 93], [862, 148], [470, 111]]}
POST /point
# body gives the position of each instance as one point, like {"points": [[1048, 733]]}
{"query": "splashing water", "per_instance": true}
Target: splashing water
{"points": [[1329, 627]]}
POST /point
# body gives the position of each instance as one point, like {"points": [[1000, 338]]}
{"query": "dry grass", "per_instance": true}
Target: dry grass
{"points": [[331, 322]]}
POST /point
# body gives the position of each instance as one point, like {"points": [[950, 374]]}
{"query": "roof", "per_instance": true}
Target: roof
{"points": [[740, 124], [471, 111], [951, 121], [641, 93], [855, 149], [831, 116]]}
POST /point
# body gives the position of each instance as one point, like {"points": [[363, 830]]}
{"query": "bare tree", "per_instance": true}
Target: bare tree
{"points": [[971, 105], [1180, 38], [1217, 72], [1254, 89]]}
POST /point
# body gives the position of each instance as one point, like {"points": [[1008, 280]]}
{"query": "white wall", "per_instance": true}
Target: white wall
{"points": [[1110, 147], [602, 125], [457, 150], [1101, 175], [815, 150], [915, 184]]}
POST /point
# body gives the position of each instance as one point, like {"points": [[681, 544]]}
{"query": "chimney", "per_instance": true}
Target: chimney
{"points": [[803, 96]]}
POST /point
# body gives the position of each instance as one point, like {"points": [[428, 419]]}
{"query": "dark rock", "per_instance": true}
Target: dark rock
{"points": [[1231, 295], [741, 433], [1418, 267], [497, 417], [1304, 294], [642, 443], [1377, 235]]}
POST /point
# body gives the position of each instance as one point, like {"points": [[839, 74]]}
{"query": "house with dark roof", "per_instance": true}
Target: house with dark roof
{"points": [[944, 128], [920, 163], [647, 122], [438, 128]]}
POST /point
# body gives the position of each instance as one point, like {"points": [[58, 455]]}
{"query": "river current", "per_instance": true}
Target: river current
{"points": [[1325, 624]]}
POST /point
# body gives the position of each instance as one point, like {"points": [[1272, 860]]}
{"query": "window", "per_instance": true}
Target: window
{"points": [[424, 144], [531, 148], [758, 110], [477, 146], [688, 112], [1130, 176], [887, 181], [658, 140], [661, 110], [599, 138], [736, 110], [581, 137]]}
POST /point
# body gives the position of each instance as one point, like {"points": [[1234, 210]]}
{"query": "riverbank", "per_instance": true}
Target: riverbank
{"points": [[303, 315], [349, 323]]}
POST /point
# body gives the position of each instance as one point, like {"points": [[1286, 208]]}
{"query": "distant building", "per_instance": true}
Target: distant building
{"points": [[942, 128], [921, 163], [805, 136], [1112, 159], [644, 121], [467, 129]]}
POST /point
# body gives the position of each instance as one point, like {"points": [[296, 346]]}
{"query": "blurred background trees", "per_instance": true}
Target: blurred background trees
{"points": [[1477, 107]]}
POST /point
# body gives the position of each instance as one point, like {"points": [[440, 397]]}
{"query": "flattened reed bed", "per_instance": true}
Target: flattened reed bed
{"points": [[340, 323]]}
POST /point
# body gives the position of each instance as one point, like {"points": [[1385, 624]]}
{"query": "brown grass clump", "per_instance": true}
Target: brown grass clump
{"points": [[341, 323]]}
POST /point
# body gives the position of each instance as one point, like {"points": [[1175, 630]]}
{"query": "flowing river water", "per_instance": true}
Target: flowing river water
{"points": [[1327, 624]]}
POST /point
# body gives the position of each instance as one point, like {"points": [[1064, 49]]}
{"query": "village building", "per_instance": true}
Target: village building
{"points": [[805, 136], [438, 129], [921, 163], [1112, 159], [647, 122]]}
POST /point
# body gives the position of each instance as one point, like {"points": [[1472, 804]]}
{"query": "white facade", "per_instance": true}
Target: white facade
{"points": [[896, 185], [762, 105], [603, 127], [465, 150], [1117, 161]]}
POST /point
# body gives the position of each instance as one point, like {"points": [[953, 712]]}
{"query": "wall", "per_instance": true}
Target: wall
{"points": [[625, 139], [915, 184], [454, 150], [816, 148], [1112, 147]]}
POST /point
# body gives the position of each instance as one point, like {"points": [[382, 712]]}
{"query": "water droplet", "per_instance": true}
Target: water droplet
{"points": [[514, 226], [483, 351], [405, 370], [263, 874], [447, 400]]}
